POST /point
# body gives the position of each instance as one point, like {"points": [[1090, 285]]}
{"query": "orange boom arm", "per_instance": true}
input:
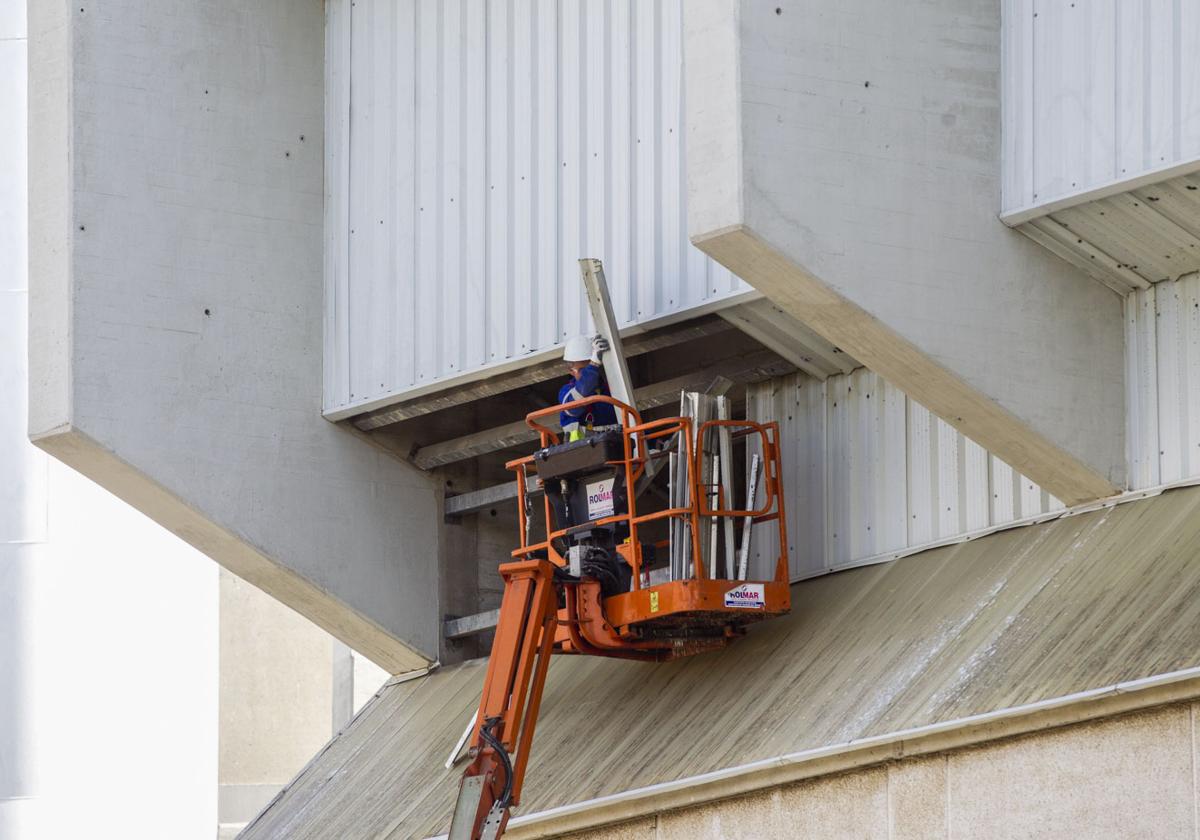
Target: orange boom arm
{"points": [[512, 692]]}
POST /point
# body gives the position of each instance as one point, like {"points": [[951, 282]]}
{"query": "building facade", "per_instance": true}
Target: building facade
{"points": [[298, 271]]}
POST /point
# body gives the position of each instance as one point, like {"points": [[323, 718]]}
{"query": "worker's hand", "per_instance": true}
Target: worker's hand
{"points": [[599, 348]]}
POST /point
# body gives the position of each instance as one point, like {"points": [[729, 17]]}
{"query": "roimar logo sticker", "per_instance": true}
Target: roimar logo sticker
{"points": [[600, 499], [748, 596]]}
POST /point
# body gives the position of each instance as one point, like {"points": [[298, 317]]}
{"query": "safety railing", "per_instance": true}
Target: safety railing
{"points": [[637, 437], [772, 506]]}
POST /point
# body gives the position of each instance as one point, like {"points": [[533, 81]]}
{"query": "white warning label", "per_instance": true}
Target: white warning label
{"points": [[747, 596], [600, 499]]}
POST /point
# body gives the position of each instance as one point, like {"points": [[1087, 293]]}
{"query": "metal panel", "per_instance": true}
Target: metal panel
{"points": [[1163, 381], [1096, 92], [477, 149], [1029, 615], [869, 474], [1128, 240]]}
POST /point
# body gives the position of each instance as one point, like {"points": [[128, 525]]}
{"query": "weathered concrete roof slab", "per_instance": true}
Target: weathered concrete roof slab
{"points": [[1013, 618]]}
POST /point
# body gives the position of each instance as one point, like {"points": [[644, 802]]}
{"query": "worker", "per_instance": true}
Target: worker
{"points": [[582, 355]]}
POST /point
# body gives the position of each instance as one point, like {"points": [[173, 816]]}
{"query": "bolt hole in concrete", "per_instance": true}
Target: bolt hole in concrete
{"points": [[778, 10], [208, 312]]}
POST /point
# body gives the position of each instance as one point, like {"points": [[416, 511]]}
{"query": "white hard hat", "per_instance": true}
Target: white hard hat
{"points": [[578, 349]]}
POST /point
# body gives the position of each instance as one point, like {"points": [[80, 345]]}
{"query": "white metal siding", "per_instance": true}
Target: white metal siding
{"points": [[1095, 92], [1131, 239], [1163, 381], [475, 150], [870, 474]]}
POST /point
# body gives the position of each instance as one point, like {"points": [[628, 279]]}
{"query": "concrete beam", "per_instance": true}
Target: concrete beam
{"points": [[751, 367], [858, 187], [486, 497], [176, 308], [470, 625]]}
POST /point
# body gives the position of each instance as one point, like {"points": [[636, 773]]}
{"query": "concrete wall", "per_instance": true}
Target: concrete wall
{"points": [[368, 679], [1128, 777], [176, 307], [88, 699], [845, 159], [276, 696]]}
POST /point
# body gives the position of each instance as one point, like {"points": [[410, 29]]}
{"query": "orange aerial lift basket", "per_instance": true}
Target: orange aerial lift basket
{"points": [[619, 572]]}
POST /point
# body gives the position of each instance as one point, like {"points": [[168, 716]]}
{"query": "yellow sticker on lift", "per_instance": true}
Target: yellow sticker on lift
{"points": [[653, 602]]}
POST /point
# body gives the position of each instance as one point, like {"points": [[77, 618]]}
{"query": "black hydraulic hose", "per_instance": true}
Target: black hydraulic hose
{"points": [[561, 575], [485, 732], [595, 570]]}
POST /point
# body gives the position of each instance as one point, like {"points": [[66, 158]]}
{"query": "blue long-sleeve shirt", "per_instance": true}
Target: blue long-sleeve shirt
{"points": [[590, 382]]}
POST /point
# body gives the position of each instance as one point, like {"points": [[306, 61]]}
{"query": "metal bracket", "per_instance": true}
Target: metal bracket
{"points": [[493, 823]]}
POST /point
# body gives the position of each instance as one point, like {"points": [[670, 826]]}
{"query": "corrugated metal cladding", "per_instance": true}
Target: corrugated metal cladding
{"points": [[1096, 91], [477, 149], [1162, 350], [1132, 239], [869, 474]]}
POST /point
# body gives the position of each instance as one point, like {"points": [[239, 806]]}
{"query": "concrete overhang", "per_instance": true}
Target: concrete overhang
{"points": [[847, 165], [176, 302]]}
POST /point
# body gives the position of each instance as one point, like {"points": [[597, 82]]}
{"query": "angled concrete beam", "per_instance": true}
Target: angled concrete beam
{"points": [[176, 299], [883, 350], [858, 189]]}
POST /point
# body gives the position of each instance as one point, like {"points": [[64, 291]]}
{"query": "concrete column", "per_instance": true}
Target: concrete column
{"points": [[845, 160], [176, 307], [342, 689]]}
